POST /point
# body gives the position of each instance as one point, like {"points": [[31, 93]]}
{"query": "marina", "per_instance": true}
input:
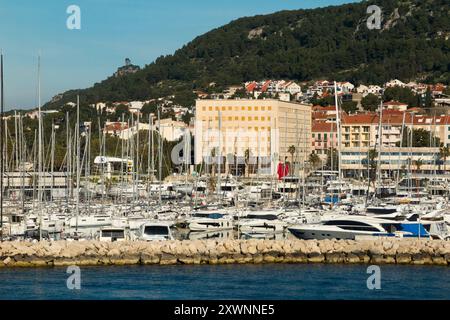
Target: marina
{"points": [[105, 195]]}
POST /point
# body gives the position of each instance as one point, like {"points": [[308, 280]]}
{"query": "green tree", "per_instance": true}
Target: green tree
{"points": [[371, 102], [120, 110], [428, 99], [291, 151], [420, 138], [332, 159], [247, 161], [372, 164], [150, 107], [418, 164], [350, 106], [444, 153], [314, 160]]}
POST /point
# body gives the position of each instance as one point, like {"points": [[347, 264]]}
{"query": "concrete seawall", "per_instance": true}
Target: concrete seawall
{"points": [[84, 253]]}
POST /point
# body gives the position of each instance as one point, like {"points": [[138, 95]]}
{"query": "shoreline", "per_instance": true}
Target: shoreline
{"points": [[213, 252]]}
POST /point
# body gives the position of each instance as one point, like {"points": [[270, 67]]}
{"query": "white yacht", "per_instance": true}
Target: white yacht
{"points": [[210, 221], [261, 222], [90, 221], [155, 231], [353, 227], [111, 234]]}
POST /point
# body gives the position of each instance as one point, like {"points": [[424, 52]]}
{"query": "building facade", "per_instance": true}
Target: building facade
{"points": [[249, 130]]}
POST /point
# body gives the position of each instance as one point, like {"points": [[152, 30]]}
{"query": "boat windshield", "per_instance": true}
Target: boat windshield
{"points": [[115, 234], [208, 215], [262, 217], [156, 230]]}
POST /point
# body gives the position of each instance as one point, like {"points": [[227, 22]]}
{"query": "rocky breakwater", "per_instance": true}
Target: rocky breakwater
{"points": [[83, 253]]}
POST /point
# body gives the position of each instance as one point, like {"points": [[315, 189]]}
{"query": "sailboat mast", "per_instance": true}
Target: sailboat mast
{"points": [[77, 135], [338, 125], [160, 154], [39, 149], [380, 145], [1, 146]]}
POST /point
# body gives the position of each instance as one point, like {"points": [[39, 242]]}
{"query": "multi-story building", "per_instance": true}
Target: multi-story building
{"points": [[416, 160], [259, 131], [360, 134], [361, 130], [324, 138]]}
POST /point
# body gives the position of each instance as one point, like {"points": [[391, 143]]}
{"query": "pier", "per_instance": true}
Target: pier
{"points": [[96, 253]]}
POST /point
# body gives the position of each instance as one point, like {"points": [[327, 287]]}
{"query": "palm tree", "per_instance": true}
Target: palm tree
{"points": [[247, 159], [372, 164], [213, 155], [418, 163], [314, 159], [291, 150], [444, 153]]}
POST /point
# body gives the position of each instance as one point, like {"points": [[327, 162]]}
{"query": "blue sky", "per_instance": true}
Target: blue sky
{"points": [[111, 30]]}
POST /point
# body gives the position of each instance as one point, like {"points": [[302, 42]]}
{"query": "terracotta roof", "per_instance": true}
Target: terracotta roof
{"points": [[395, 118], [430, 120], [374, 118], [320, 108], [265, 86], [324, 127], [395, 103], [116, 126], [251, 86]]}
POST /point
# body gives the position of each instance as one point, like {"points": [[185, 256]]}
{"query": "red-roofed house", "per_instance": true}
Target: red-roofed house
{"points": [[324, 137], [251, 86], [395, 105]]}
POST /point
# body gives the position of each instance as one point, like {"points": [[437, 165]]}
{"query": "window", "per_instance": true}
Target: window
{"points": [[249, 118], [230, 108], [210, 108], [263, 118], [249, 108], [230, 118], [242, 118], [224, 108], [269, 108], [242, 108], [256, 108], [203, 108], [217, 108], [264, 109], [236, 118], [256, 118]]}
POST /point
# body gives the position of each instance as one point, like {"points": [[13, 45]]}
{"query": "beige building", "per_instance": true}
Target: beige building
{"points": [[171, 130], [261, 129]]}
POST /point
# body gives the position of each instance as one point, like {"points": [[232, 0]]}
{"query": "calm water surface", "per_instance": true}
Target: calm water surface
{"points": [[290, 282]]}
